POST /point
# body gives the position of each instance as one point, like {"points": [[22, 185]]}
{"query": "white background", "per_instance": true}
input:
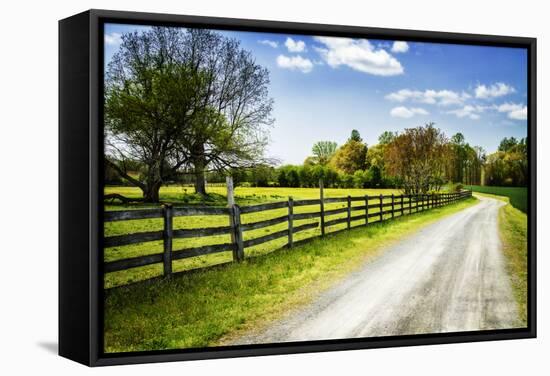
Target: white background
{"points": [[28, 176]]}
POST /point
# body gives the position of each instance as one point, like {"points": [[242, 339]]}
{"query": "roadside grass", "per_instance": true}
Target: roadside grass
{"points": [[207, 307], [244, 196], [517, 195], [513, 233]]}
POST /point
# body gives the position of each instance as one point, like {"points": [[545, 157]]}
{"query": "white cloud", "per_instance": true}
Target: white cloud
{"points": [[295, 63], [359, 55], [441, 97], [399, 47], [406, 113], [520, 114], [295, 45], [493, 91], [514, 111], [468, 111], [270, 43], [113, 39]]}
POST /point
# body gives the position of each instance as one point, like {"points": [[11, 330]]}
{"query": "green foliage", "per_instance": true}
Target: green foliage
{"points": [[350, 157], [464, 163], [386, 137], [355, 136], [416, 158], [323, 151], [508, 166], [507, 144], [456, 187], [288, 176]]}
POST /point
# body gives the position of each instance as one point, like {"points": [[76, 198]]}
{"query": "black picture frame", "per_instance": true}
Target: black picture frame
{"points": [[80, 187]]}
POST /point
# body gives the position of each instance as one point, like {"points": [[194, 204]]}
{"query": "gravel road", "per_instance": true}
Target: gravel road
{"points": [[448, 277]]}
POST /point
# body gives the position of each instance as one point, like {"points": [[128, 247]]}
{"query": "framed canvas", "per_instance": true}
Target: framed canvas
{"points": [[235, 187]]}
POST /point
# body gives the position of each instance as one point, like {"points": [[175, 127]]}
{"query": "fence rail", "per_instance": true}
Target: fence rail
{"points": [[399, 206]]}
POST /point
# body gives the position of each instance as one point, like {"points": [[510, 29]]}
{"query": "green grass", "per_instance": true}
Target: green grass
{"points": [[208, 307], [513, 233], [517, 195], [243, 196]]}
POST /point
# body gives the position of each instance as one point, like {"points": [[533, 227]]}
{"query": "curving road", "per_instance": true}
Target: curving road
{"points": [[448, 277]]}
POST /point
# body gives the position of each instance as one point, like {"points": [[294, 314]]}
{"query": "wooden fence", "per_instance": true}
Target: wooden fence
{"points": [[372, 209]]}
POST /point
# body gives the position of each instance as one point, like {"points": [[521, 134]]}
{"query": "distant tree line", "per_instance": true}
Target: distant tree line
{"points": [[417, 160], [509, 165]]}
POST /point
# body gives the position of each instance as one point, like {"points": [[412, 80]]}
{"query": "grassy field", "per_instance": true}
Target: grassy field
{"points": [[207, 307], [517, 195], [243, 196], [513, 233]]}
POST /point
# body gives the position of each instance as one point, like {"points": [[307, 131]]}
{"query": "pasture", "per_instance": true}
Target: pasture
{"points": [[517, 195], [243, 196]]}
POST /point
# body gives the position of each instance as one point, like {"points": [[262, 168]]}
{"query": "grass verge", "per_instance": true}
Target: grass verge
{"points": [[513, 233], [517, 195], [200, 308]]}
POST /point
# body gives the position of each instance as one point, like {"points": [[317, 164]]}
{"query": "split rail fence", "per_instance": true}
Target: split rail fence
{"points": [[370, 209]]}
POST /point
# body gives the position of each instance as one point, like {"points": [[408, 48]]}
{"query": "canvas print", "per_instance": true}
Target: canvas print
{"points": [[266, 188]]}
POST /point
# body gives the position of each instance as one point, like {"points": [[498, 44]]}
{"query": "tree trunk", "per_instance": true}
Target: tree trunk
{"points": [[151, 192], [200, 186], [199, 164]]}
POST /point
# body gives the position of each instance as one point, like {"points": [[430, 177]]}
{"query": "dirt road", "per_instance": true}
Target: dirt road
{"points": [[448, 277]]}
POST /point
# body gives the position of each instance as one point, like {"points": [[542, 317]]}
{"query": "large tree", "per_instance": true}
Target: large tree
{"points": [[149, 102], [351, 156], [231, 129], [183, 99], [417, 158]]}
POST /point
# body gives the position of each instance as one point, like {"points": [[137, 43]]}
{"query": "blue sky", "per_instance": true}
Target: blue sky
{"points": [[325, 87]]}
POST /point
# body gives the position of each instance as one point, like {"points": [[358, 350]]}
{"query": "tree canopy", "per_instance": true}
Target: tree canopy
{"points": [[323, 151], [417, 158]]}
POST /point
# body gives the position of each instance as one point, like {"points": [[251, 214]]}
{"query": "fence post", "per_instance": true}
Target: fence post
{"points": [[366, 209], [392, 205], [381, 207], [231, 206], [349, 212], [322, 206], [290, 221], [402, 203], [167, 238], [410, 203], [238, 254]]}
